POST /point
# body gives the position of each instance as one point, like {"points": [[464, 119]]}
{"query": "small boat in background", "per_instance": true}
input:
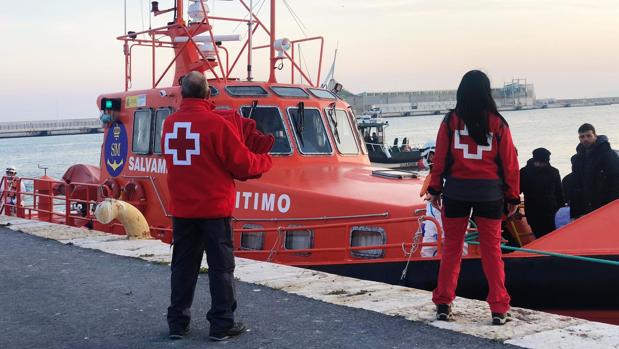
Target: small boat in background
{"points": [[396, 156]]}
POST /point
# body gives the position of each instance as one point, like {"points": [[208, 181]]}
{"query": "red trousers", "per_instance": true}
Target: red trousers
{"points": [[492, 263]]}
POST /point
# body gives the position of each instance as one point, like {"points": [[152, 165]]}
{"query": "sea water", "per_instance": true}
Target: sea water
{"points": [[554, 129]]}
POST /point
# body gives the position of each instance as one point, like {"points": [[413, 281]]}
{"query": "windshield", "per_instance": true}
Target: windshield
{"points": [[342, 131], [309, 131], [269, 121]]}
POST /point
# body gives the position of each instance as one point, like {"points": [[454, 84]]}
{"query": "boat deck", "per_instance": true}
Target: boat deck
{"points": [[70, 294]]}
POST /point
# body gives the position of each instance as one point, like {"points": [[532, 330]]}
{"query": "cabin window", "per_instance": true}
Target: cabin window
{"points": [[284, 91], [322, 94], [367, 236], [342, 131], [361, 143], [252, 240], [299, 240], [247, 91], [160, 117], [309, 131], [269, 121], [214, 91], [142, 121]]}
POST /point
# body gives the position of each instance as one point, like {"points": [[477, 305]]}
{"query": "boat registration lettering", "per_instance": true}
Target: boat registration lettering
{"points": [[248, 200], [146, 164]]}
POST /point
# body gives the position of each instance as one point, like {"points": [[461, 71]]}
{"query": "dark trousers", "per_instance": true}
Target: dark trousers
{"points": [[541, 224], [192, 237]]}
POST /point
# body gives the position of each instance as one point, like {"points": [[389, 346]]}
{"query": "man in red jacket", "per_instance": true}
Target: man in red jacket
{"points": [[204, 154]]}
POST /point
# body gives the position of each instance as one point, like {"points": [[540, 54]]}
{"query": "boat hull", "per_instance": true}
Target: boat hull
{"points": [[544, 283]]}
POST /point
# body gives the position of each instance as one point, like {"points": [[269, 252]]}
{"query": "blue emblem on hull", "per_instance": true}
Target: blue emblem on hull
{"points": [[115, 149]]}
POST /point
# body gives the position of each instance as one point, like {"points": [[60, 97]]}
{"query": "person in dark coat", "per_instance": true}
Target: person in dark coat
{"points": [[595, 169], [543, 195]]}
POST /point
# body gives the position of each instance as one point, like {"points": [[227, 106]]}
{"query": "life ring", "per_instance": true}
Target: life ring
{"points": [[109, 189]]}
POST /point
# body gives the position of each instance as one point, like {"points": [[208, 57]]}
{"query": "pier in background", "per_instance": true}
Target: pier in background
{"points": [[518, 94], [49, 127]]}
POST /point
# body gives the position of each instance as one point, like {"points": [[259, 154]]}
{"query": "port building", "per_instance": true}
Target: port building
{"points": [[517, 94]]}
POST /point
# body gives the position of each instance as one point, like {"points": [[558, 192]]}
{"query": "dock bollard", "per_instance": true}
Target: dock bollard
{"points": [[43, 189]]}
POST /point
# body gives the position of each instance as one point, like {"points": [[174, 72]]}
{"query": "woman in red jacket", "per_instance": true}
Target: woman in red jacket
{"points": [[475, 170]]}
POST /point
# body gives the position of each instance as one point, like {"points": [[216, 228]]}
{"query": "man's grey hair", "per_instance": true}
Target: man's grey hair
{"points": [[194, 85]]}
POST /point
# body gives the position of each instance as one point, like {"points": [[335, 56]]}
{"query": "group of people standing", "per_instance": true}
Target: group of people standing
{"points": [[593, 182], [475, 175]]}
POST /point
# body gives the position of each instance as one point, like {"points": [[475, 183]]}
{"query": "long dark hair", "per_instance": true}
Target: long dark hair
{"points": [[474, 103]]}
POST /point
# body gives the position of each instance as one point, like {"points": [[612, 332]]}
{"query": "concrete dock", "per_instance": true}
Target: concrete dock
{"points": [[63, 287]]}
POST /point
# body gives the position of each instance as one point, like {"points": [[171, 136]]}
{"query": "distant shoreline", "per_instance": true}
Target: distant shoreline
{"points": [[534, 107], [23, 129], [18, 129]]}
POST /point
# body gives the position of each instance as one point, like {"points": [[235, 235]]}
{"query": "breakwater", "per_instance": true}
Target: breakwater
{"points": [[49, 127]]}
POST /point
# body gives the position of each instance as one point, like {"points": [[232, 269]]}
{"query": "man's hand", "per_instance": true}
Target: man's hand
{"points": [[435, 200], [511, 209]]}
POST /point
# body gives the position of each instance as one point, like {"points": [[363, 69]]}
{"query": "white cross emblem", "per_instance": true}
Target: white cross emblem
{"points": [[180, 149], [465, 147]]}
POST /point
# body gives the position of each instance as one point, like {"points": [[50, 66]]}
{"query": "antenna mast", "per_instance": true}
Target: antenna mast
{"points": [[272, 59], [179, 12], [249, 39]]}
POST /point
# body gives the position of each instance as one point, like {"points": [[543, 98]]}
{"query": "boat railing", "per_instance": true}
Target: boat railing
{"points": [[44, 205], [179, 28], [2, 195], [401, 250]]}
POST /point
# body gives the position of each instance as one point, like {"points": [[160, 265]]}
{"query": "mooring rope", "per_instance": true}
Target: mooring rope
{"points": [[472, 241]]}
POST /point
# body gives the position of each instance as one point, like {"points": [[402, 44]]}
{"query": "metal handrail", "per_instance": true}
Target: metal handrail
{"points": [[279, 248], [204, 25], [373, 219]]}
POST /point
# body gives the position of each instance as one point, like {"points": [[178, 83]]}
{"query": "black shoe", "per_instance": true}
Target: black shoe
{"points": [[178, 332], [233, 331], [500, 319], [443, 312]]}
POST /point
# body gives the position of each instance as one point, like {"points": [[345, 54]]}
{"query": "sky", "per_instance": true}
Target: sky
{"points": [[58, 56]]}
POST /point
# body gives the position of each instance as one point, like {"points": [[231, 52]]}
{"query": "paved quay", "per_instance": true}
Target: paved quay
{"points": [[63, 287]]}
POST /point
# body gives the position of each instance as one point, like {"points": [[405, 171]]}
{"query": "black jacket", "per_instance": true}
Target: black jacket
{"points": [[542, 189], [595, 177]]}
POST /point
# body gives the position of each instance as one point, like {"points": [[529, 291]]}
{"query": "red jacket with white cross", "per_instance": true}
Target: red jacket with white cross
{"points": [[204, 153], [475, 172]]}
